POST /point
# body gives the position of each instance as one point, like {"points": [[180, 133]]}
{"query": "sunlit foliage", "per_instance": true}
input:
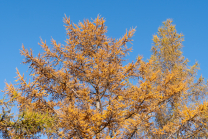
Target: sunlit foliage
{"points": [[81, 89]]}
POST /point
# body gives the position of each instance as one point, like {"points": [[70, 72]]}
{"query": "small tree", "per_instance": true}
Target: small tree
{"points": [[81, 89]]}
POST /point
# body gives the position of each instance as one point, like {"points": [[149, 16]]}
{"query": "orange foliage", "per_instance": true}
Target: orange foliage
{"points": [[82, 88]]}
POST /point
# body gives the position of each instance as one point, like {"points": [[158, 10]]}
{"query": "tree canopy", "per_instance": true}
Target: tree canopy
{"points": [[81, 89]]}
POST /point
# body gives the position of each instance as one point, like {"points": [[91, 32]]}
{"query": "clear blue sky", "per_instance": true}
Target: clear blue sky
{"points": [[25, 21]]}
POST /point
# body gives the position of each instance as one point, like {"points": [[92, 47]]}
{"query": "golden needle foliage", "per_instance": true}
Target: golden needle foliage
{"points": [[81, 89]]}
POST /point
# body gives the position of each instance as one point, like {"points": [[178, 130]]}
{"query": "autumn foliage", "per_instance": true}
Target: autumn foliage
{"points": [[82, 90]]}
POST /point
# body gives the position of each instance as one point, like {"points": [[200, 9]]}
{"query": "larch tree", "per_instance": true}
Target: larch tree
{"points": [[81, 89]]}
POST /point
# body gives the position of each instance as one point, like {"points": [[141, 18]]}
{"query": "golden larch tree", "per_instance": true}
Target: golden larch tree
{"points": [[82, 90]]}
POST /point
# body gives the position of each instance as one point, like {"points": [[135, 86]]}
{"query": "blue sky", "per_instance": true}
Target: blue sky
{"points": [[25, 21]]}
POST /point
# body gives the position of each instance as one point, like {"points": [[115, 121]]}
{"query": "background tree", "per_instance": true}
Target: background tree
{"points": [[81, 89], [167, 57]]}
